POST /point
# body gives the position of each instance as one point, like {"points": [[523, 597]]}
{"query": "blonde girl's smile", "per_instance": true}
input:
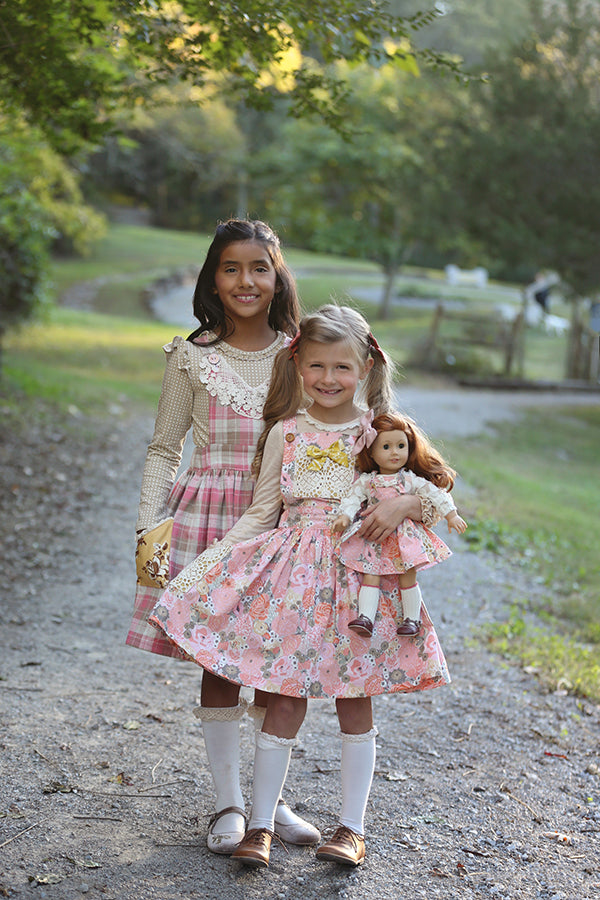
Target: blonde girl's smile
{"points": [[330, 374]]}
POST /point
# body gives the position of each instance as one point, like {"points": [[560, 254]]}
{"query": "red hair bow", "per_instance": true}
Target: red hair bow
{"points": [[293, 344]]}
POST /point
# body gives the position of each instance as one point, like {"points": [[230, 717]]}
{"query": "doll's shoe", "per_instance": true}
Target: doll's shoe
{"points": [[255, 848], [225, 842], [362, 625], [345, 846], [409, 626], [291, 828]]}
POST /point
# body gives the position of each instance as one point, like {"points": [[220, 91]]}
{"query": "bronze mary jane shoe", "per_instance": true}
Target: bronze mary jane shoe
{"points": [[345, 846], [254, 848], [362, 625]]}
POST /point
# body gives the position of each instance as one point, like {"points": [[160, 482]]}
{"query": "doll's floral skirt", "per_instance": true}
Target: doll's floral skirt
{"points": [[411, 546], [273, 614]]}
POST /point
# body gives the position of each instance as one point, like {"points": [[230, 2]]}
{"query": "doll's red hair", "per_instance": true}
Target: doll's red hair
{"points": [[423, 458]]}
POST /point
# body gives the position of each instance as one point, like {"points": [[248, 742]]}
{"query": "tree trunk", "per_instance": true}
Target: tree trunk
{"points": [[388, 291]]}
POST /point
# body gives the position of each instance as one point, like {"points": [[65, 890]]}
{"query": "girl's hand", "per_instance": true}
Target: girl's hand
{"points": [[455, 522], [340, 523], [380, 521]]}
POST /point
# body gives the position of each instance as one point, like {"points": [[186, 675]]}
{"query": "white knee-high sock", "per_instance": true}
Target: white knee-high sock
{"points": [[411, 602], [271, 761], [358, 765], [221, 729], [368, 601]]}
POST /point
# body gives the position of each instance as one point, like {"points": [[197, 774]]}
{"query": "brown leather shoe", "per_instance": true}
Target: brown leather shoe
{"points": [[409, 626], [255, 848], [344, 847], [362, 625]]}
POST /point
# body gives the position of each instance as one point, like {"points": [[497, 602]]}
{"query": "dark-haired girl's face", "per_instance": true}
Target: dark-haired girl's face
{"points": [[245, 281], [390, 451]]}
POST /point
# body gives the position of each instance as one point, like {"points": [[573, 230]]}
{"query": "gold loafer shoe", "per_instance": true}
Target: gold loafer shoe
{"points": [[345, 846], [255, 848]]}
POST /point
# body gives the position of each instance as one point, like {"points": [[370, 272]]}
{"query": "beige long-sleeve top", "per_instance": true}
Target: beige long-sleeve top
{"points": [[189, 379]]}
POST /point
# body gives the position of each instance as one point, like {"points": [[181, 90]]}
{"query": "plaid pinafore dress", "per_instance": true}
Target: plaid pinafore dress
{"points": [[211, 495]]}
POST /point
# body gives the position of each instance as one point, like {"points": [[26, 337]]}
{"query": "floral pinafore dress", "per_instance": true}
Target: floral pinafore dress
{"points": [[272, 613]]}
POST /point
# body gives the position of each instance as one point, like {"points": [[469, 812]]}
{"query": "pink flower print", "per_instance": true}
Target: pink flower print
{"points": [[259, 608], [359, 668], [285, 622], [291, 687], [283, 667], [322, 615], [290, 643]]}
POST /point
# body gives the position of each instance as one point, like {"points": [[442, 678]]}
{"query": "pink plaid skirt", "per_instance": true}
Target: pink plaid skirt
{"points": [[205, 506]]}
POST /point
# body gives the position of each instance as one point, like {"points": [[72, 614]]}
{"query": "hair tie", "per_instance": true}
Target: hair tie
{"points": [[366, 435], [293, 344], [375, 348]]}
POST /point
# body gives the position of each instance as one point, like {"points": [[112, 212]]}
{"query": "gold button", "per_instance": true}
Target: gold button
{"points": [[290, 437]]}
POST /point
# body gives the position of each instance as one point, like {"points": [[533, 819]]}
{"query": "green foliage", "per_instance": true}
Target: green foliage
{"points": [[530, 135], [70, 66], [42, 206], [559, 661]]}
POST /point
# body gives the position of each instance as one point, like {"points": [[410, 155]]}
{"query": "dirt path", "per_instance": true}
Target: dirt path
{"points": [[105, 787]]}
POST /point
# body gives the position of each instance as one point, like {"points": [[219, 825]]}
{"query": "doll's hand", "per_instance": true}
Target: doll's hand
{"points": [[380, 521], [340, 523], [456, 523]]}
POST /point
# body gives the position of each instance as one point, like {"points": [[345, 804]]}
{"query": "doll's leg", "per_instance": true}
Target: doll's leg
{"points": [[411, 603], [273, 750], [368, 601], [347, 845]]}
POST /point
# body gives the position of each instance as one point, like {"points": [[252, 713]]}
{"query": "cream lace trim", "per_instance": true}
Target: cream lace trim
{"points": [[195, 572], [331, 480], [324, 426], [221, 713], [359, 738], [230, 388]]}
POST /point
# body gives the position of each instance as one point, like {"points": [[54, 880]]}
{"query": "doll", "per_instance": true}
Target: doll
{"points": [[395, 457]]}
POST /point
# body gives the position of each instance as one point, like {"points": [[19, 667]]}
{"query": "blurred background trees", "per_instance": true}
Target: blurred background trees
{"points": [[348, 125]]}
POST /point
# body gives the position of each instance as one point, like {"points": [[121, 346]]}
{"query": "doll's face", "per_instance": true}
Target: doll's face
{"points": [[390, 451]]}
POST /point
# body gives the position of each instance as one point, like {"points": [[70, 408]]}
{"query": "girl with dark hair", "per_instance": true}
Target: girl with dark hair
{"points": [[215, 384], [396, 457], [268, 607]]}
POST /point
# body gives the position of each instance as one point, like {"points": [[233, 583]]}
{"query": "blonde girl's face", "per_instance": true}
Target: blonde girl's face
{"points": [[245, 281], [331, 375], [390, 451]]}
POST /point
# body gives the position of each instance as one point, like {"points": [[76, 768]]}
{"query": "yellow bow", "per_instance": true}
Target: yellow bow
{"points": [[336, 453]]}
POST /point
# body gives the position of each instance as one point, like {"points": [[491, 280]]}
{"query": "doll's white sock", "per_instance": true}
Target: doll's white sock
{"points": [[368, 601], [221, 729], [271, 762], [358, 765], [411, 602]]}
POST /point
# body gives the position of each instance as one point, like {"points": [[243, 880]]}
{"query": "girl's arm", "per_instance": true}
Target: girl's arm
{"points": [[382, 520], [264, 511], [173, 421]]}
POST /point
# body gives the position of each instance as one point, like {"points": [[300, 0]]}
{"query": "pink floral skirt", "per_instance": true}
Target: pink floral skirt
{"points": [[273, 614], [411, 546]]}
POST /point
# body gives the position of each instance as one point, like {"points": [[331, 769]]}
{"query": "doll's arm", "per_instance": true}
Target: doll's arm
{"points": [[455, 522], [341, 522]]}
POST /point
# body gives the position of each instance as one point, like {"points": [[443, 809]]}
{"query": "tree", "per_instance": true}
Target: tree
{"points": [[371, 197], [69, 66], [523, 156]]}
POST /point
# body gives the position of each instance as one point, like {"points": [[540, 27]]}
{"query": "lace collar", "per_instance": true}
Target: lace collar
{"points": [[330, 426]]}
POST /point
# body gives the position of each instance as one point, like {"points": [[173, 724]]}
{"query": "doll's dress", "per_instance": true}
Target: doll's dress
{"points": [[412, 545], [272, 612]]}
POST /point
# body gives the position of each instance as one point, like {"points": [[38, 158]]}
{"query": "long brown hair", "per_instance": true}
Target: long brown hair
{"points": [[423, 458], [327, 325], [284, 311]]}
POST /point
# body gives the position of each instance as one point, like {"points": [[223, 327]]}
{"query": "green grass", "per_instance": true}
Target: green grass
{"points": [[536, 501]]}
